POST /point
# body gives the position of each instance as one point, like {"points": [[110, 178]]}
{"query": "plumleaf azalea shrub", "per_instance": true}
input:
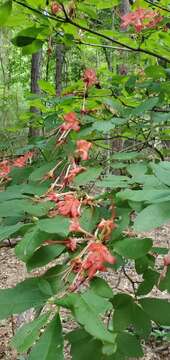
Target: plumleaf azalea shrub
{"points": [[65, 200]]}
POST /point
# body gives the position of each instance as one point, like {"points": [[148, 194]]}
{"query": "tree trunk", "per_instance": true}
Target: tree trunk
{"points": [[59, 68], [35, 76], [124, 7], [122, 69]]}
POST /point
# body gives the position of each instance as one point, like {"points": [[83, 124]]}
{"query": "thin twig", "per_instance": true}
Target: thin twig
{"points": [[158, 6], [94, 32]]}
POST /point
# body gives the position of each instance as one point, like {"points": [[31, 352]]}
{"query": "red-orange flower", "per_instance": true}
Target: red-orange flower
{"points": [[4, 168], [166, 260], [97, 256], [55, 8], [106, 227], [71, 122], [83, 148], [22, 160], [72, 174], [75, 225], [69, 206], [89, 77], [52, 196], [140, 19], [71, 244]]}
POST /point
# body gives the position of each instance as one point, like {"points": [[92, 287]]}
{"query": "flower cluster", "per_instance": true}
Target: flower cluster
{"points": [[6, 165], [83, 147], [4, 169], [96, 259], [89, 77], [68, 178], [141, 19], [71, 122], [22, 160], [95, 254], [69, 206], [166, 260], [106, 227], [55, 8]]}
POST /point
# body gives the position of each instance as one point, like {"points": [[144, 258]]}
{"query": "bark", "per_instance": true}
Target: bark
{"points": [[35, 76], [123, 70], [124, 7], [59, 68]]}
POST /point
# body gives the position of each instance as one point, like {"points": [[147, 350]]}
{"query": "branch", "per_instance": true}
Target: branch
{"points": [[39, 12], [101, 46], [131, 281], [70, 21], [158, 6]]}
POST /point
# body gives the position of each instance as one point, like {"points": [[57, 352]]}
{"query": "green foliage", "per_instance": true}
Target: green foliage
{"points": [[28, 333], [5, 11], [24, 296], [50, 344], [76, 208]]}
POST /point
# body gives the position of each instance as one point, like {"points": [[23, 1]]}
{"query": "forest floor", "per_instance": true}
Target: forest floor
{"points": [[13, 271]]}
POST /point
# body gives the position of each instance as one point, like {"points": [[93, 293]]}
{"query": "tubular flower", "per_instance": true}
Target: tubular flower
{"points": [[52, 196], [97, 256], [22, 160], [166, 260], [89, 77], [71, 122], [75, 225], [106, 227], [140, 19], [83, 147], [72, 174], [70, 206], [71, 244], [55, 8], [4, 169]]}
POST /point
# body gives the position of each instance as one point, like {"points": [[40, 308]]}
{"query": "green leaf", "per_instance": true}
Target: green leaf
{"points": [[5, 12], [157, 309], [24, 206], [156, 72], [32, 48], [90, 218], [58, 225], [86, 314], [129, 345], [20, 298], [26, 37], [137, 169], [148, 195], [91, 174], [101, 288], [44, 255], [126, 155], [150, 279], [28, 333], [165, 281], [55, 278], [47, 87], [41, 171], [142, 263], [128, 313], [146, 105], [133, 248], [50, 344], [30, 242], [7, 231], [152, 217], [162, 171], [84, 346], [113, 181]]}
